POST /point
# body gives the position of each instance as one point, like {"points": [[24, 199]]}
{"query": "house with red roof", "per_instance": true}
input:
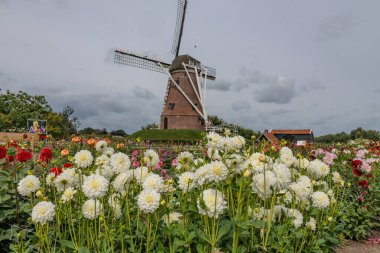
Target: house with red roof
{"points": [[299, 137]]}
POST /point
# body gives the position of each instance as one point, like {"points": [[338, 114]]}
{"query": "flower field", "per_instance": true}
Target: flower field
{"points": [[226, 194]]}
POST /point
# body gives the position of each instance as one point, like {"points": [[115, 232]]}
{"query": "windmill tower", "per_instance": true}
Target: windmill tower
{"points": [[185, 98]]}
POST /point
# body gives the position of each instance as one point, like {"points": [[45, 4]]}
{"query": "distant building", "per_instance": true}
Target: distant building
{"points": [[299, 137]]}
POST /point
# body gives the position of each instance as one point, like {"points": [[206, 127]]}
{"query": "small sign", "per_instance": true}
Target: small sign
{"points": [[301, 143], [37, 126]]}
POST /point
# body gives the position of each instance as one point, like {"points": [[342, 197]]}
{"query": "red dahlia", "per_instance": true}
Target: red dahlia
{"points": [[67, 165], [45, 155], [356, 163], [357, 172], [3, 152], [56, 171], [23, 156], [364, 183]]}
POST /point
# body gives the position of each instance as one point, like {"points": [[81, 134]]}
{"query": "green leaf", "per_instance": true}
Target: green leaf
{"points": [[68, 244], [83, 250], [223, 230], [333, 240], [202, 235], [178, 243]]}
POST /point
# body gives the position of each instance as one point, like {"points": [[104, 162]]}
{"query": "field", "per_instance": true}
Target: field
{"points": [[224, 194]]}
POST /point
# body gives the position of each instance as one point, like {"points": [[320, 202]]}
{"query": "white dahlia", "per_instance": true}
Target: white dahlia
{"points": [[151, 157], [91, 210], [262, 185], [43, 212], [50, 179], [311, 224], [105, 171], [140, 173], [101, 145], [184, 160], [120, 162], [68, 178], [297, 215], [236, 163], [320, 200], [218, 171], [28, 185], [95, 186], [318, 169], [120, 183], [83, 158], [153, 182], [186, 181], [148, 201], [211, 203], [283, 175], [336, 178], [201, 175], [102, 160], [172, 217], [109, 152], [302, 188], [214, 140], [68, 194]]}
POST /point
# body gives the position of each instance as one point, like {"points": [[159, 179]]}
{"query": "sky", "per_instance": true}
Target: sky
{"points": [[280, 64]]}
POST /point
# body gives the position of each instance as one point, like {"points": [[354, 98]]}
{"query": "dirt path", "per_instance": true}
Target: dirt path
{"points": [[370, 246]]}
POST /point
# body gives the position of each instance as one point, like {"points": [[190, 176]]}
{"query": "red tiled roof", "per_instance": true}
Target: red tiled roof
{"points": [[290, 131], [270, 137]]}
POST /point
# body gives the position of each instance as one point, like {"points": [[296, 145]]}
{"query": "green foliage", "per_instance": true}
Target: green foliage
{"points": [[92, 131], [118, 132], [167, 135], [17, 108], [245, 132], [358, 133], [149, 126]]}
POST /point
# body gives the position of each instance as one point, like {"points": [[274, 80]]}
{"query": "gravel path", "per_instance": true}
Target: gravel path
{"points": [[370, 246]]}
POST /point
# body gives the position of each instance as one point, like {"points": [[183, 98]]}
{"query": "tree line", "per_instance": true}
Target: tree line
{"points": [[358, 133]]}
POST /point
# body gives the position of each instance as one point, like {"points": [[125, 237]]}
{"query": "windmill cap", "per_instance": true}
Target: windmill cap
{"points": [[187, 59]]}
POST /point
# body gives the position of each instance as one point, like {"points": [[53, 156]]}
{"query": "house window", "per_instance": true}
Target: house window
{"points": [[171, 106]]}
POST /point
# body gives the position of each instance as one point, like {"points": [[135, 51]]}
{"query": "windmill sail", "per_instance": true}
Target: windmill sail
{"points": [[139, 61], [181, 12]]}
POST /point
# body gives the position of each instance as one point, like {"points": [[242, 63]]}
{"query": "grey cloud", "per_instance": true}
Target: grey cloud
{"points": [[324, 120], [337, 26], [280, 112], [222, 85], [312, 86], [377, 90], [109, 56], [240, 85], [279, 91], [241, 105], [6, 79]]}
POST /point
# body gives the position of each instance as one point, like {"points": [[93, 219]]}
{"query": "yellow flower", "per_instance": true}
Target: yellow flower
{"points": [[247, 173]]}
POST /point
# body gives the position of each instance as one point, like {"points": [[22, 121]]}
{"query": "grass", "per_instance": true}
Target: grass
{"points": [[167, 135]]}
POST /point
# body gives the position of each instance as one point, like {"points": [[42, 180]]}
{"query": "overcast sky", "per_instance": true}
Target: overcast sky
{"points": [[280, 64]]}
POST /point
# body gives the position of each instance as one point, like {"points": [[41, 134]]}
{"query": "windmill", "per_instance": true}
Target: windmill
{"points": [[185, 98]]}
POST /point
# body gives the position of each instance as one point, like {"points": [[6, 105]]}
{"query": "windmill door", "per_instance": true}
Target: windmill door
{"points": [[165, 123]]}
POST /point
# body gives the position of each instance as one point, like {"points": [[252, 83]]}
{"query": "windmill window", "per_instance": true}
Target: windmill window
{"points": [[177, 81], [196, 105], [171, 106]]}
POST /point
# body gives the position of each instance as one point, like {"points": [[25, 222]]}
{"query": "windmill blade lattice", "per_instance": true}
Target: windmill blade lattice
{"points": [[181, 12], [138, 61]]}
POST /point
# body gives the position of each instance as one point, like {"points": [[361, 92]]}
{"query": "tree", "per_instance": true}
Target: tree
{"points": [[17, 108], [118, 132], [149, 126]]}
